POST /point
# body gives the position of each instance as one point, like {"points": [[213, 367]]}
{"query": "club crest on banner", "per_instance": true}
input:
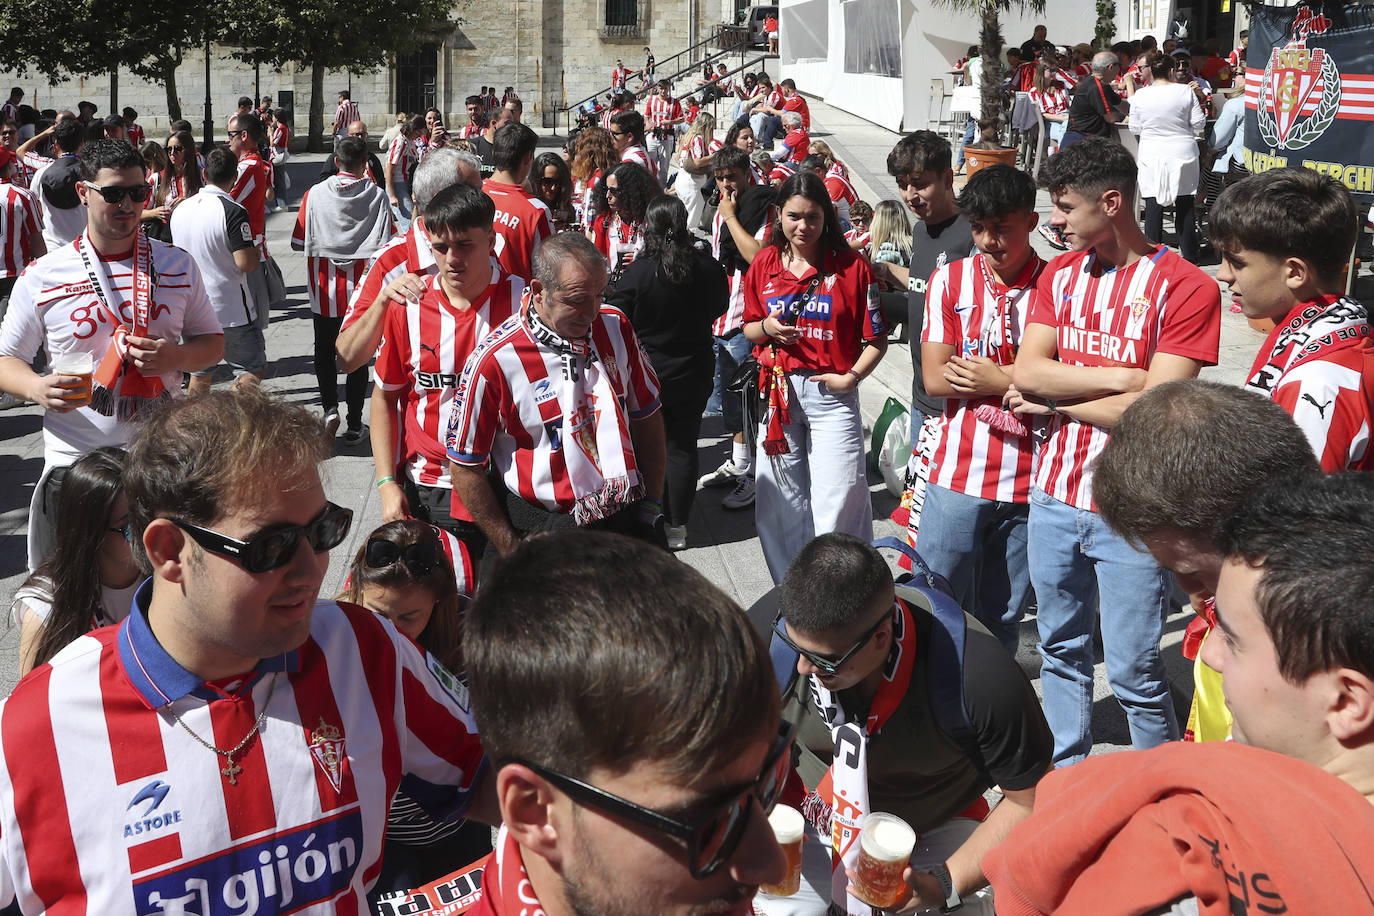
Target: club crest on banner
{"points": [[1300, 92]]}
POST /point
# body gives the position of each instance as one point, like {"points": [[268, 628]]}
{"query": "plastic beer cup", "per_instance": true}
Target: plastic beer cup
{"points": [[790, 829], [80, 365], [885, 845]]}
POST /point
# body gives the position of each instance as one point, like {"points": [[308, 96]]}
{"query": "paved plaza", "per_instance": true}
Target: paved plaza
{"points": [[721, 544]]}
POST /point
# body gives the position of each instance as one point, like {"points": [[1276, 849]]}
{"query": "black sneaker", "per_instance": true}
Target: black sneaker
{"points": [[354, 434]]}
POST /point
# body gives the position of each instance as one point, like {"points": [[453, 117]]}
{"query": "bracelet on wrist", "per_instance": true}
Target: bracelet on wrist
{"points": [[387, 479]]}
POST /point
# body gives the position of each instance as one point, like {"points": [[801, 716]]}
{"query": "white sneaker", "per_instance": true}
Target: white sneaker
{"points": [[724, 476], [331, 423], [677, 536], [742, 496]]}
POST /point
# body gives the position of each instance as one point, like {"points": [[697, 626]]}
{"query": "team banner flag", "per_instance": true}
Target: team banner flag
{"points": [[449, 896], [1309, 91]]}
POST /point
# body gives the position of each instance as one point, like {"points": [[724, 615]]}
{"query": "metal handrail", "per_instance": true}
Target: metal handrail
{"points": [[743, 49]]}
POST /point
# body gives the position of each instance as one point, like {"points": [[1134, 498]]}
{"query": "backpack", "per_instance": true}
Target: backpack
{"points": [[945, 655]]}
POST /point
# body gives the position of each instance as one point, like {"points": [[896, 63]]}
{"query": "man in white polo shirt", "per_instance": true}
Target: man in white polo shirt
{"points": [[216, 232]]}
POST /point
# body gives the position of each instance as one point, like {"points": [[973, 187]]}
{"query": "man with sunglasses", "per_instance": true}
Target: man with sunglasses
{"points": [[866, 664], [137, 306], [233, 738], [639, 778]]}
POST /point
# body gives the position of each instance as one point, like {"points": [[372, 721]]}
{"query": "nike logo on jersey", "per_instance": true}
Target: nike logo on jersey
{"points": [[1321, 408]]}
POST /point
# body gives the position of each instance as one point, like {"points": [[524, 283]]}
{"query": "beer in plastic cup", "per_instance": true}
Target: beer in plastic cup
{"points": [[789, 828], [80, 365], [885, 844]]}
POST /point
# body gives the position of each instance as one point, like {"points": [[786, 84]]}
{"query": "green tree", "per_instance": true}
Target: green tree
{"points": [[98, 36], [338, 35], [990, 41]]}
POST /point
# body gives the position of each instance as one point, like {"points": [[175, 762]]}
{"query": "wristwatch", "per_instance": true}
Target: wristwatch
{"points": [[952, 899]]}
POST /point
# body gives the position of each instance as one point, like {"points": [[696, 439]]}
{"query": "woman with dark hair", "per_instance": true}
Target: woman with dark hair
{"points": [[404, 573], [1165, 116], [672, 293], [812, 312], [89, 580], [550, 180], [593, 158], [178, 178], [620, 200]]}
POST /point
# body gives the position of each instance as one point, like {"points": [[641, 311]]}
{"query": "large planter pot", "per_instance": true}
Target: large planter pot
{"points": [[976, 159]]}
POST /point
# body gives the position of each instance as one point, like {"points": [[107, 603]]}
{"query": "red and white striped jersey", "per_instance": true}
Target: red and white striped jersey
{"points": [[401, 155], [1052, 101], [775, 99], [345, 114], [1067, 78], [470, 131], [27, 167], [658, 111], [405, 254], [281, 137], [842, 193], [618, 77], [734, 312], [1318, 365], [250, 191], [798, 143], [20, 219], [969, 309], [508, 411], [619, 241], [331, 283], [136, 816], [175, 191], [134, 131], [423, 352], [1116, 317], [640, 156], [862, 236], [522, 222]]}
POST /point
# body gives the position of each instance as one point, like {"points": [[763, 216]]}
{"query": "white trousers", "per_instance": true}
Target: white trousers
{"points": [[820, 485]]}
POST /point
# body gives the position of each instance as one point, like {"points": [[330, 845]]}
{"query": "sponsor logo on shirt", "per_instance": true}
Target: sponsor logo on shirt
{"points": [[436, 380], [147, 814], [447, 682], [1100, 344], [544, 391], [281, 873]]}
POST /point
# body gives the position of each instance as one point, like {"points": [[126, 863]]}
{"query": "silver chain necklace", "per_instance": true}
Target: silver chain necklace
{"points": [[230, 769]]}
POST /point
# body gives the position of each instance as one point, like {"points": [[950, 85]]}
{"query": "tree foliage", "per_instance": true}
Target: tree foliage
{"points": [[354, 35]]}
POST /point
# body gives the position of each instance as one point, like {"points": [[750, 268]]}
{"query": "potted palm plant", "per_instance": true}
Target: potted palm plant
{"points": [[987, 148]]}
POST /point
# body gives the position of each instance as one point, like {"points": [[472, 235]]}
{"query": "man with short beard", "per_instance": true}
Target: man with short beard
{"points": [[636, 783]]}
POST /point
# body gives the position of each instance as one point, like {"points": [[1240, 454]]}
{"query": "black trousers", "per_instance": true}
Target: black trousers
{"points": [[1184, 223], [327, 372], [682, 429]]}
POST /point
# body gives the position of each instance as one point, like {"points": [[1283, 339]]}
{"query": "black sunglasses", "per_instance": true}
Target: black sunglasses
{"points": [[711, 838], [419, 558], [114, 193], [273, 548], [175, 149], [830, 666]]}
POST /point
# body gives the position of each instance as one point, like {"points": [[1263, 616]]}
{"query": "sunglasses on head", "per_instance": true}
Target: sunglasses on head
{"points": [[419, 558], [711, 837], [829, 665], [114, 193], [274, 546]]}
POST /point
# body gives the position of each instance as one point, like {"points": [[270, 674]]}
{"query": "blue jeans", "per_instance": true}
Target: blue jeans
{"points": [[403, 211], [729, 354], [979, 545], [969, 130], [1074, 559], [765, 127]]}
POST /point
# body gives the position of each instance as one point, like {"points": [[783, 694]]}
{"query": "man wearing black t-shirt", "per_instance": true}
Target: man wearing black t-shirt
{"points": [[922, 164], [851, 633], [1094, 106]]}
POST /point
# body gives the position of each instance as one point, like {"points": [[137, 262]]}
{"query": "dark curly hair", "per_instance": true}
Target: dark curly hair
{"points": [[635, 188]]}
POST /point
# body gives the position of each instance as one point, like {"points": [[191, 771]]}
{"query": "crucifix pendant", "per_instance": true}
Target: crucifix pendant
{"points": [[232, 770]]}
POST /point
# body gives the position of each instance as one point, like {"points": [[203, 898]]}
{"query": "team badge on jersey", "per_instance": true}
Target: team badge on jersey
{"points": [[1138, 306], [327, 747]]}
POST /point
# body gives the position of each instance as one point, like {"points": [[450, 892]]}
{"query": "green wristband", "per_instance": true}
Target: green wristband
{"points": [[387, 479]]}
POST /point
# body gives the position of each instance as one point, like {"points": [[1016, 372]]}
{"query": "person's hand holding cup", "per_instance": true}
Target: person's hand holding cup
{"points": [[885, 845], [77, 365]]}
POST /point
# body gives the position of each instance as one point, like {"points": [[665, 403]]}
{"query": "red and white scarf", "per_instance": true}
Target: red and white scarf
{"points": [[773, 379], [840, 802], [597, 449], [997, 335], [118, 388], [1324, 325], [506, 888]]}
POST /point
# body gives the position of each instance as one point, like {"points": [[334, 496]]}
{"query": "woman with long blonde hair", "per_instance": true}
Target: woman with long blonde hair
{"points": [[594, 156], [890, 233], [694, 159]]}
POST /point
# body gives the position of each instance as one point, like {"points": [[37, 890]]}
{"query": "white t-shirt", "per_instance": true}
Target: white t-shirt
{"points": [[212, 226], [114, 604], [54, 306], [59, 226]]}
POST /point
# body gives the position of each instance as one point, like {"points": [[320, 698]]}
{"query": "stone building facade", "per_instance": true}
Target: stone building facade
{"points": [[554, 52]]}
